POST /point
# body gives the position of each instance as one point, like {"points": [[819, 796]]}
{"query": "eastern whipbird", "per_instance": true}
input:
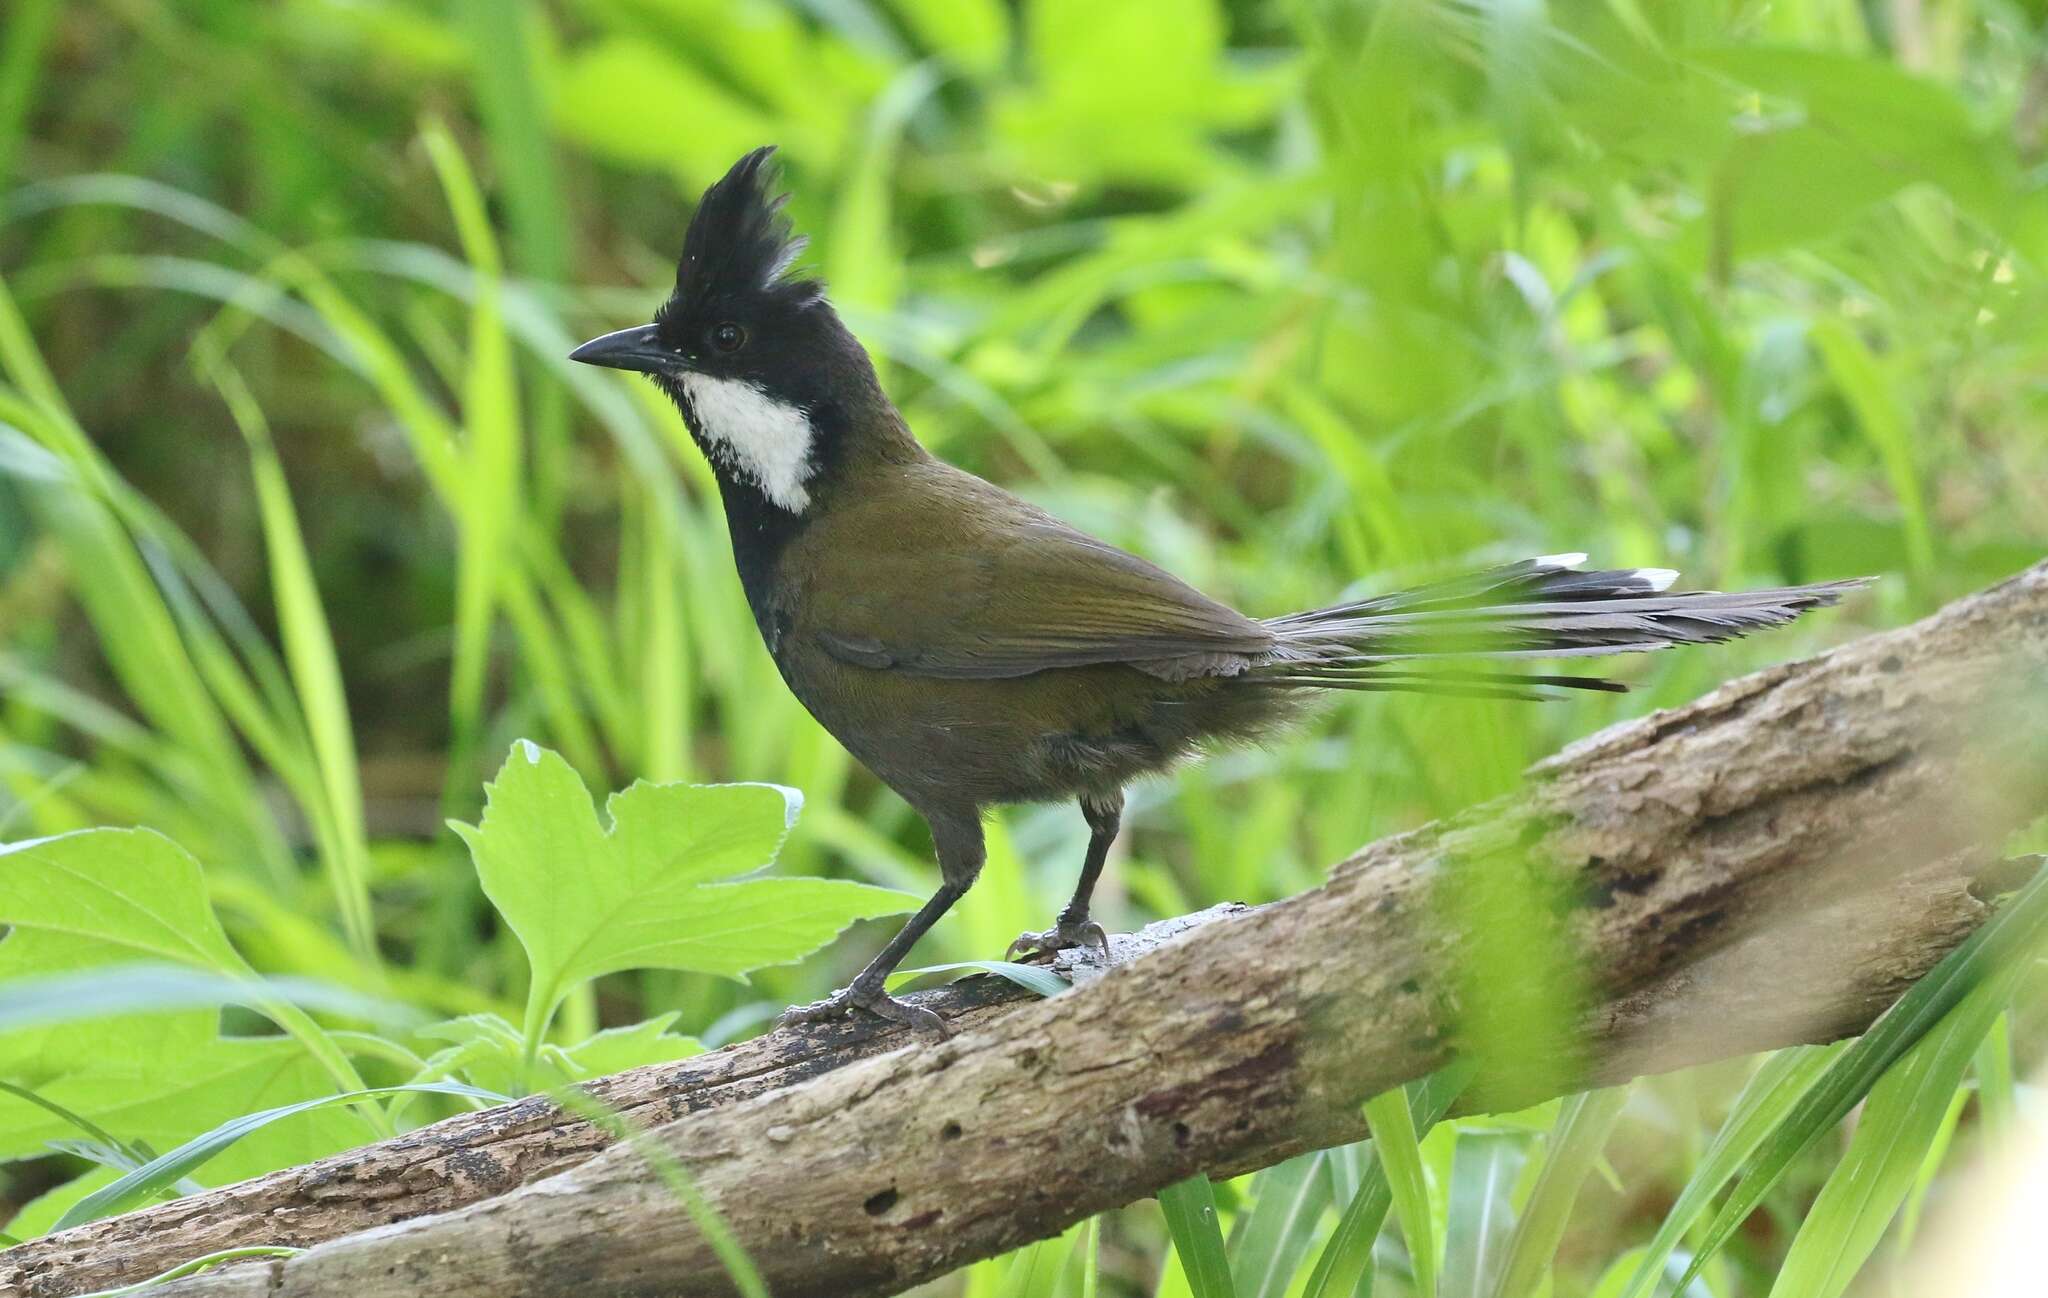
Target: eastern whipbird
{"points": [[971, 649]]}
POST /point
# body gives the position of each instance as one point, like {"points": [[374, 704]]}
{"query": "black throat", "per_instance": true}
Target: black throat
{"points": [[762, 530]]}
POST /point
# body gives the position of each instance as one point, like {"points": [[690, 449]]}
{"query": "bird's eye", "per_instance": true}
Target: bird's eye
{"points": [[728, 337]]}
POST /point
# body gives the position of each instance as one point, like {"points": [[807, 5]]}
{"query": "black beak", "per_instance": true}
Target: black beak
{"points": [[627, 349]]}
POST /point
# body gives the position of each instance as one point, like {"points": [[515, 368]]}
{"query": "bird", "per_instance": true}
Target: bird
{"points": [[972, 650]]}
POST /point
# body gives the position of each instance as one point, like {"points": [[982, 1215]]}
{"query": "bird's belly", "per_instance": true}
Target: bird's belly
{"points": [[1049, 735]]}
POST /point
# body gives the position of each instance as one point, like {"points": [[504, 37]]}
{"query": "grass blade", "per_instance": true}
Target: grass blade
{"points": [[1348, 1252], [1190, 1208], [487, 499], [1035, 1270], [1903, 1119], [1583, 1124], [1763, 1103], [140, 988], [1399, 1148], [2016, 931], [194, 1266], [315, 668], [1269, 1248], [165, 1169], [1031, 977], [1482, 1218]]}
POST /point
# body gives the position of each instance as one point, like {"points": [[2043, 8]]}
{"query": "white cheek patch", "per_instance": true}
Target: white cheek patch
{"points": [[767, 441]]}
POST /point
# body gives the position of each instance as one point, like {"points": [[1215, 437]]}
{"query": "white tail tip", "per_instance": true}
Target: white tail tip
{"points": [[1554, 562]]}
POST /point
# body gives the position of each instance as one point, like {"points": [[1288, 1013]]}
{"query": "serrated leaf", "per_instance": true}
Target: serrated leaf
{"points": [[651, 891], [616, 1049], [177, 1082], [485, 1050]]}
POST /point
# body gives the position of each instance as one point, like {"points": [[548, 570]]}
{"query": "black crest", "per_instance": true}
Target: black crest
{"points": [[739, 243]]}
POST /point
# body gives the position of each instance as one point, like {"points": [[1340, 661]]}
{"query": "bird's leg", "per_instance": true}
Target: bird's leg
{"points": [[1073, 928], [958, 840]]}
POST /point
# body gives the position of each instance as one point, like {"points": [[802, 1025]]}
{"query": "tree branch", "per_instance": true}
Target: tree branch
{"points": [[1771, 864]]}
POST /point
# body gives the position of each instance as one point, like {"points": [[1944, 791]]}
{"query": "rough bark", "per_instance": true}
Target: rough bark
{"points": [[1770, 864]]}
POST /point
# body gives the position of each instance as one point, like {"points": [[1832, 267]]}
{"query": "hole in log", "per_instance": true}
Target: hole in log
{"points": [[880, 1202], [951, 1131], [1180, 1135]]}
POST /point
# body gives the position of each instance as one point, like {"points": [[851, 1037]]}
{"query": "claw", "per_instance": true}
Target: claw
{"points": [[1063, 936], [875, 1001]]}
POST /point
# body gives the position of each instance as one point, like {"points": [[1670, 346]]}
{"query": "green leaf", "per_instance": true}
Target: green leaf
{"points": [[1995, 1080], [1583, 1124], [39, 1214], [335, 806], [1930, 1166], [130, 888], [973, 34], [138, 988], [1091, 1257], [485, 1050], [1771, 1093], [1347, 1253], [98, 893], [166, 1169], [614, 1050], [1034, 1271], [603, 91], [77, 902], [1164, 104], [1031, 977], [648, 892], [180, 1078], [1400, 1155], [1885, 423], [1875, 109], [1900, 1123], [1482, 1217], [1190, 1208], [1267, 1249], [2015, 933]]}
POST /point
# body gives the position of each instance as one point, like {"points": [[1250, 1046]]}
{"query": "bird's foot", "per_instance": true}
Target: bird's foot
{"points": [[875, 1001], [1065, 935]]}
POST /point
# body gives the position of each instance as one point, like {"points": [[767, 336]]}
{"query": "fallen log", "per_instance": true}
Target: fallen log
{"points": [[1771, 864]]}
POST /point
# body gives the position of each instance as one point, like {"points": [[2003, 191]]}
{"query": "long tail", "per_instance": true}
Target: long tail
{"points": [[1538, 608]]}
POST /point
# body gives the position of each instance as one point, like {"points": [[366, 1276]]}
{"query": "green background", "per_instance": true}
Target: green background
{"points": [[1301, 299]]}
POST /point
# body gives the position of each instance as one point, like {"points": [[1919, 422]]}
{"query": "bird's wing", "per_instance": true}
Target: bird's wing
{"points": [[1013, 592]]}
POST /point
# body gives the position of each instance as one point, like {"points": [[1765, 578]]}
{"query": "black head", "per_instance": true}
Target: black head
{"points": [[756, 357]]}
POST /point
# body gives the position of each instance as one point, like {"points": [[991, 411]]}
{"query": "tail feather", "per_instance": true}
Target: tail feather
{"points": [[1538, 608]]}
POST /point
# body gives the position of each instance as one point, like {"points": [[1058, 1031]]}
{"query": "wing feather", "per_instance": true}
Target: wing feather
{"points": [[1014, 592]]}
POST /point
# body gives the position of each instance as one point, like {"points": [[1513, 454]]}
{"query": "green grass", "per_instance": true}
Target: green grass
{"points": [[304, 517]]}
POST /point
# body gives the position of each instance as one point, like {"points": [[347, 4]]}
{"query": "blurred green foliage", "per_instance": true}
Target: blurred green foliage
{"points": [[304, 517]]}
